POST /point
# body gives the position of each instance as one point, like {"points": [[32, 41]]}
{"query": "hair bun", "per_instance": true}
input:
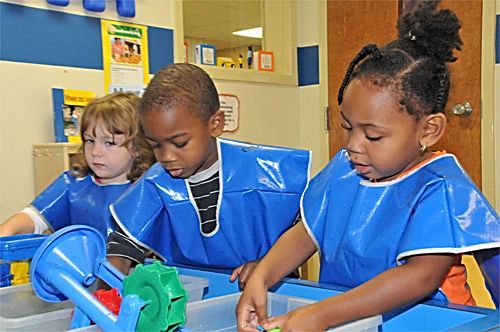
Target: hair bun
{"points": [[430, 32]]}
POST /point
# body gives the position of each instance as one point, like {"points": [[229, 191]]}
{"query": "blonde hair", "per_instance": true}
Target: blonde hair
{"points": [[118, 112]]}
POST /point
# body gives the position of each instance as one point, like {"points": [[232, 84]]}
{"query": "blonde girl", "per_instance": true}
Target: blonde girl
{"points": [[114, 154]]}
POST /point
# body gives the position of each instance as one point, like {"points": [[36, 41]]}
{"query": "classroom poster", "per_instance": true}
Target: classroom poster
{"points": [[230, 104], [125, 56]]}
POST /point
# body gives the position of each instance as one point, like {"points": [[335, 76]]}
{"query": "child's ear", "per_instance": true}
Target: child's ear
{"points": [[216, 123], [433, 127]]}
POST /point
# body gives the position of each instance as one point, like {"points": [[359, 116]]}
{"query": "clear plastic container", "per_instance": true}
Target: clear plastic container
{"points": [[218, 314], [194, 286], [22, 310]]}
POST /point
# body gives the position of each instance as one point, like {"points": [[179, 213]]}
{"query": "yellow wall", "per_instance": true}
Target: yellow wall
{"points": [[489, 141], [496, 90]]}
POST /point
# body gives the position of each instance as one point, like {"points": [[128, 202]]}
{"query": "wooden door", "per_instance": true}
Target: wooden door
{"points": [[353, 24]]}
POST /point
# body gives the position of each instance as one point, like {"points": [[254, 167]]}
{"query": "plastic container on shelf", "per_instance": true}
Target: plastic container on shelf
{"points": [[217, 314], [22, 310]]}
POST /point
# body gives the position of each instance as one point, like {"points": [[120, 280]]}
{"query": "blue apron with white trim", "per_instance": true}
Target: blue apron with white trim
{"points": [[79, 201], [260, 190], [363, 228]]}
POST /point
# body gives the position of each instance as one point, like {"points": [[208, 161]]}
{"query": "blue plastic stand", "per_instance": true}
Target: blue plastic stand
{"points": [[69, 262], [5, 275]]}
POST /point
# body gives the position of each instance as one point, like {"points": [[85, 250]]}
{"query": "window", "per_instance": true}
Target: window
{"points": [[213, 23]]}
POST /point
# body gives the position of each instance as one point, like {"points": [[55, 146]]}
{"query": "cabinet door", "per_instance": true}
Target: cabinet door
{"points": [[50, 160]]}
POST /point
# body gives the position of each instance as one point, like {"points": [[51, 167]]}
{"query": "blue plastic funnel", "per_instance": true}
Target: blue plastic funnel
{"points": [[72, 251]]}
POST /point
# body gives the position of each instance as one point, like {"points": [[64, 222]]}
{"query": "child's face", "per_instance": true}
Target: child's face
{"points": [[106, 155], [182, 142], [382, 140]]}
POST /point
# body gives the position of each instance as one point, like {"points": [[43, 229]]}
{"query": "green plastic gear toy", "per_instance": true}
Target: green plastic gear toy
{"points": [[159, 286]]}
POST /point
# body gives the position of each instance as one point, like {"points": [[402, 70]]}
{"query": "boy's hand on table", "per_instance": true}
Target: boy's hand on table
{"points": [[243, 272]]}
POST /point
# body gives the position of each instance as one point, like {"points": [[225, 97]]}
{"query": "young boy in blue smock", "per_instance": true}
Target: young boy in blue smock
{"points": [[208, 201]]}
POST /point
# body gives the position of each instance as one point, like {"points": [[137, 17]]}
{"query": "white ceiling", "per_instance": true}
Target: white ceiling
{"points": [[214, 21]]}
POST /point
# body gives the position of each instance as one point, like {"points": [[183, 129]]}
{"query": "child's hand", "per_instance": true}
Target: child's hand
{"points": [[242, 273], [252, 308], [302, 319]]}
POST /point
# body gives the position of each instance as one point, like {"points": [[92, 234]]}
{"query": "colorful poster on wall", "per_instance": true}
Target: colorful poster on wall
{"points": [[68, 108], [125, 56], [230, 104]]}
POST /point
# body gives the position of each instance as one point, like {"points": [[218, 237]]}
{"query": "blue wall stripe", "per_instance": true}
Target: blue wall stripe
{"points": [[497, 40], [161, 48], [49, 37], [308, 65]]}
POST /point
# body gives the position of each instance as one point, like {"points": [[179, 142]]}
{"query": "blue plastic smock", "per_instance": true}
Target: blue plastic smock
{"points": [[78, 201], [259, 198], [362, 228]]}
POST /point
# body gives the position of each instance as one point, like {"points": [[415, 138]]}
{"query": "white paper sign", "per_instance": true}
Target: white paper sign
{"points": [[230, 104]]}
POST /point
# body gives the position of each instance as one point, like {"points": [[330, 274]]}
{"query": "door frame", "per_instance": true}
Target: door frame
{"points": [[490, 125]]}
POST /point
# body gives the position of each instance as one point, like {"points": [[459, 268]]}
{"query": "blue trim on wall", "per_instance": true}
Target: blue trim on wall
{"points": [[56, 38], [497, 41], [161, 48], [49, 37], [308, 65]]}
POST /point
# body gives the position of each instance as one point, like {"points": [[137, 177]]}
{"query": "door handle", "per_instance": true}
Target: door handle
{"points": [[463, 109]]}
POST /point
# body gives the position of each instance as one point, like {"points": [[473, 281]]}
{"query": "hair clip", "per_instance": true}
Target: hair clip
{"points": [[412, 36]]}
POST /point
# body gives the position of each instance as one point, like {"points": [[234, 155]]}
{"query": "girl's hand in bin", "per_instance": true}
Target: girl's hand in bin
{"points": [[242, 273], [305, 318], [252, 307]]}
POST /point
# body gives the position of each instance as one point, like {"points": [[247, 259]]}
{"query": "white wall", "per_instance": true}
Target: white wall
{"points": [[270, 113], [148, 12]]}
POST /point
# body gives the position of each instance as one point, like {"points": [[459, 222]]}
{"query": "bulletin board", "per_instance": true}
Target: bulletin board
{"points": [[125, 56]]}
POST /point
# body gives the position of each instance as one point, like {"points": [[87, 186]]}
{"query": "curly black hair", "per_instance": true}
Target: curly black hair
{"points": [[182, 84], [414, 65]]}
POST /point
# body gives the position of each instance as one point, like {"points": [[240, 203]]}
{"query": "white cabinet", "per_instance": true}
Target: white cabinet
{"points": [[51, 159]]}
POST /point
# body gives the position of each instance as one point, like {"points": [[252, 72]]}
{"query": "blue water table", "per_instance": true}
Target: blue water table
{"points": [[71, 260], [69, 263]]}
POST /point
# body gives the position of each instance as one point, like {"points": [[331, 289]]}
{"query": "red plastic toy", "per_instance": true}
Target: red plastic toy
{"points": [[111, 299]]}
